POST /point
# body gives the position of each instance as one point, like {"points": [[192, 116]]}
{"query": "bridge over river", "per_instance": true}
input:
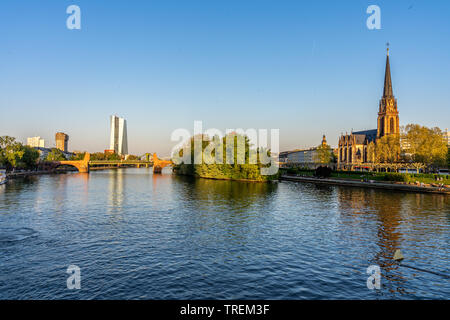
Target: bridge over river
{"points": [[87, 164]]}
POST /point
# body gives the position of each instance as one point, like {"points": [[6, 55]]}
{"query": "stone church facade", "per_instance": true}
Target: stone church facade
{"points": [[353, 148]]}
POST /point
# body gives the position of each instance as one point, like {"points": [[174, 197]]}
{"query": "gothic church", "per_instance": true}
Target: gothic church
{"points": [[352, 150]]}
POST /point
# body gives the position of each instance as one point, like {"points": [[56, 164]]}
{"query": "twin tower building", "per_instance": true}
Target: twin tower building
{"points": [[352, 150], [118, 140]]}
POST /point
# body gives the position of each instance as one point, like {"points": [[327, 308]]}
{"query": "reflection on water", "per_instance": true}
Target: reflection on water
{"points": [[136, 235], [116, 190], [385, 209], [397, 217]]}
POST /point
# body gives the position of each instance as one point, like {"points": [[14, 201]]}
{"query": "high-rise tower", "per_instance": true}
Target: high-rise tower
{"points": [[62, 141], [119, 139], [388, 120]]}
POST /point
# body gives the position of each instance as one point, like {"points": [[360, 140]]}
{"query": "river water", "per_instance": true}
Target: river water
{"points": [[135, 235]]}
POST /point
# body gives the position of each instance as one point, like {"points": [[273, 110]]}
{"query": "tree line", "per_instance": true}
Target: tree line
{"points": [[14, 154], [417, 145]]}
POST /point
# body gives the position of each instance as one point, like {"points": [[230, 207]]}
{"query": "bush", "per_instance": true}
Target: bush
{"points": [[397, 177], [323, 171]]}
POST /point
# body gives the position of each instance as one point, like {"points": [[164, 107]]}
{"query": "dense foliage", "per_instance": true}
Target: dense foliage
{"points": [[323, 172], [426, 145], [104, 156], [387, 149], [225, 170], [55, 155], [14, 154], [448, 158], [324, 154], [77, 156]]}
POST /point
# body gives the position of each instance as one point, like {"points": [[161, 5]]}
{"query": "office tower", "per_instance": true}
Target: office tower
{"points": [[35, 142], [119, 140], [62, 141]]}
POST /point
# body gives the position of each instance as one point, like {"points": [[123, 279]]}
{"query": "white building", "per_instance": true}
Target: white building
{"points": [[302, 156], [446, 135], [36, 142], [119, 139]]}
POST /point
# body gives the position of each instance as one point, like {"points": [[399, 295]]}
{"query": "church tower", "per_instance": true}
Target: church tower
{"points": [[324, 141], [388, 120]]}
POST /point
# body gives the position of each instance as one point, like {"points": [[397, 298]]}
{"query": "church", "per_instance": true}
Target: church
{"points": [[353, 148]]}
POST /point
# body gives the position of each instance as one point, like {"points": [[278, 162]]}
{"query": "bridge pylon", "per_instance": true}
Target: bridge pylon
{"points": [[159, 164], [81, 165]]}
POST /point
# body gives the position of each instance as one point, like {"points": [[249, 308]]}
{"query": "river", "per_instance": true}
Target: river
{"points": [[135, 235]]}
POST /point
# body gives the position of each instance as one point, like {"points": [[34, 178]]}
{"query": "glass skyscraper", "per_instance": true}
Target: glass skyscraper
{"points": [[119, 139]]}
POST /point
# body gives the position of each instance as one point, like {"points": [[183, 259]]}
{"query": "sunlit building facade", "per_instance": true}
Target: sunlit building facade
{"points": [[36, 142], [118, 139], [62, 141]]}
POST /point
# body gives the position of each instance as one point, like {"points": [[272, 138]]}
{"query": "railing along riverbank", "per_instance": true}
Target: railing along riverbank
{"points": [[20, 174], [370, 184]]}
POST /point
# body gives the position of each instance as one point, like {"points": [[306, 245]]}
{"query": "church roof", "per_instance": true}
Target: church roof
{"points": [[370, 135]]}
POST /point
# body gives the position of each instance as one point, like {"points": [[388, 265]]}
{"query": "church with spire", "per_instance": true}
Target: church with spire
{"points": [[353, 148]]}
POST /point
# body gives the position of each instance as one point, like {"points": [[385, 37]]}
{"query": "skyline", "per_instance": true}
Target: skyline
{"points": [[308, 70]]}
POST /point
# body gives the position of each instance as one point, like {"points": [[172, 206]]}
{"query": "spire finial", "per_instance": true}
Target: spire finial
{"points": [[387, 45]]}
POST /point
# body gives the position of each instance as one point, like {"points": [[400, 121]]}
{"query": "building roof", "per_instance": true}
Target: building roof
{"points": [[370, 135]]}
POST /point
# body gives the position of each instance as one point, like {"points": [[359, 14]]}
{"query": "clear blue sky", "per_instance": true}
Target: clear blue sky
{"points": [[306, 67]]}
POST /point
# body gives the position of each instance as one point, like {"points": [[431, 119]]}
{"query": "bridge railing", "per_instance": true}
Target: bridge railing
{"points": [[120, 162]]}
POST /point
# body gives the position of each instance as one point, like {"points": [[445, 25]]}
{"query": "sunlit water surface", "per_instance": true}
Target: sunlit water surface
{"points": [[135, 235]]}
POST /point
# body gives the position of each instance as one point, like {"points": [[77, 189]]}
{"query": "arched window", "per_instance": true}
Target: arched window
{"points": [[391, 126]]}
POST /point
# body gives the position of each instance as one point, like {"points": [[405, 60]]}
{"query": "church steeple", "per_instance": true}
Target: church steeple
{"points": [[388, 120], [388, 92]]}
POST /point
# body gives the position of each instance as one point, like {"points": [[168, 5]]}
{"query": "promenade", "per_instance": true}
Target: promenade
{"points": [[369, 184]]}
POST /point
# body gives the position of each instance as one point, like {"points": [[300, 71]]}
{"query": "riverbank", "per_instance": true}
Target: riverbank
{"points": [[369, 184], [229, 172], [21, 174], [224, 178]]}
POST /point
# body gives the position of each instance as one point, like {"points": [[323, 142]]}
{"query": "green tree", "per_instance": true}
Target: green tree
{"points": [[132, 157], [13, 154], [324, 154], [448, 158], [425, 145], [30, 157], [387, 149], [112, 156], [248, 170], [371, 148], [98, 156], [78, 156], [55, 155]]}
